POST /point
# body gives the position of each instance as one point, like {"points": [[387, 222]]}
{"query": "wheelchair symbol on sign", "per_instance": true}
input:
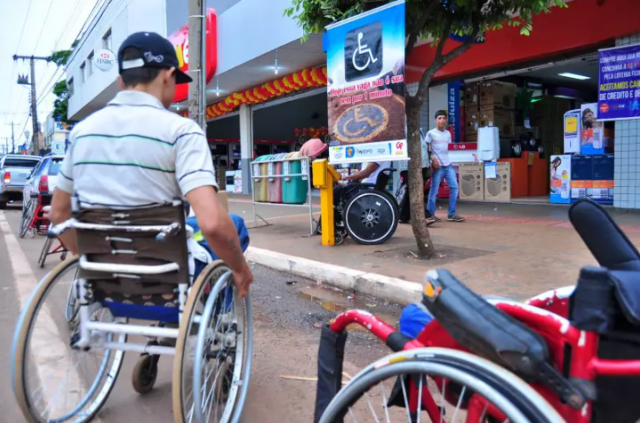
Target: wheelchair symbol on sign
{"points": [[362, 50]]}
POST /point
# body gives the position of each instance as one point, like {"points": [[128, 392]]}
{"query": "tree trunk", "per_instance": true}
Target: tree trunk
{"points": [[416, 184]]}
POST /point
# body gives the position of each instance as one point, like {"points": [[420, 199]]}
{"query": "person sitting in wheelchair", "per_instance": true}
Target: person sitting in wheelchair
{"points": [[368, 175], [143, 155]]}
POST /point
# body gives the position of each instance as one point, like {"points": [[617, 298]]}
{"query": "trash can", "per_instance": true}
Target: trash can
{"points": [[294, 188], [260, 184], [274, 184]]}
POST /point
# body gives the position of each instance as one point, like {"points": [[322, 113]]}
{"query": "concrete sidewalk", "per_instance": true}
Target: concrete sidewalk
{"points": [[493, 252]]}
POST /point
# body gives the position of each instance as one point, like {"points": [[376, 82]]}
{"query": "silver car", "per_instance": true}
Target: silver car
{"points": [[14, 172]]}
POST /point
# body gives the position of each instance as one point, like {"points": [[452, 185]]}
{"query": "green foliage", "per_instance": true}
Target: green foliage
{"points": [[61, 103], [60, 90], [429, 19]]}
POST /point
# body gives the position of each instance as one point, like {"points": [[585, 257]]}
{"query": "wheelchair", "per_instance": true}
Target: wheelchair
{"points": [[368, 213], [133, 266], [47, 249], [568, 355]]}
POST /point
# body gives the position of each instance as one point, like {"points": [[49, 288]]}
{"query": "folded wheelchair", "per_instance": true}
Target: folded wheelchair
{"points": [[133, 267], [568, 355]]}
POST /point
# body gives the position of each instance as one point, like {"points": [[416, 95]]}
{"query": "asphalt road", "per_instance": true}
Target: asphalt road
{"points": [[288, 312]]}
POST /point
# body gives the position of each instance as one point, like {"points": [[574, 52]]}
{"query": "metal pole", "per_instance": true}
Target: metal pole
{"points": [[35, 147], [197, 89]]}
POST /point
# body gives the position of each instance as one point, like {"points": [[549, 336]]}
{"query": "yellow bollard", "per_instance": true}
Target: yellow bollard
{"points": [[324, 177]]}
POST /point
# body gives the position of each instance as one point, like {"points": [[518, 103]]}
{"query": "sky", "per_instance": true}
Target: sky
{"points": [[34, 27]]}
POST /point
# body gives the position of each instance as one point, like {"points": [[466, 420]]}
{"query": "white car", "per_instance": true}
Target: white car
{"points": [[43, 179]]}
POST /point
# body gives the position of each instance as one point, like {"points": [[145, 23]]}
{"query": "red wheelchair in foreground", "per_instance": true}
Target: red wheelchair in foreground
{"points": [[568, 355]]}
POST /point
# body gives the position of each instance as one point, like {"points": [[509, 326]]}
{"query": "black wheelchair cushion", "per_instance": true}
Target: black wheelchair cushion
{"points": [[608, 244], [484, 329]]}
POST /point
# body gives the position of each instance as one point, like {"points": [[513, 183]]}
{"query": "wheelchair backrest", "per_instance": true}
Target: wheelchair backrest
{"points": [[604, 238], [383, 178], [134, 248]]}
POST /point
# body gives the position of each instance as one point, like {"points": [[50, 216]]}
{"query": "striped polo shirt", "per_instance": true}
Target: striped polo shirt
{"points": [[134, 154]]}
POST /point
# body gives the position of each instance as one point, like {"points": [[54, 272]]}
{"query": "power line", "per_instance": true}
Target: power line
{"points": [[24, 25], [42, 27]]}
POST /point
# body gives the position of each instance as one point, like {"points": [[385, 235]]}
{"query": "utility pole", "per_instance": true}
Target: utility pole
{"points": [[197, 89], [35, 145], [13, 137]]}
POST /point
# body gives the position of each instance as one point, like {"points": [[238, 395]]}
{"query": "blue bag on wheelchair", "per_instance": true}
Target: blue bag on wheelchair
{"points": [[413, 319], [241, 228]]}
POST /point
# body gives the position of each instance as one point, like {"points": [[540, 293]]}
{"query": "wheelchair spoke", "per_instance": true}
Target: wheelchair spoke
{"points": [[384, 403]]}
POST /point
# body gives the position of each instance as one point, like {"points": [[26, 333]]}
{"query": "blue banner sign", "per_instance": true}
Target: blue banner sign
{"points": [[619, 83]]}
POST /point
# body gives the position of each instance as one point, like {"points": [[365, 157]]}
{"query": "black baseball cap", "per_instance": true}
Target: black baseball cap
{"points": [[155, 52]]}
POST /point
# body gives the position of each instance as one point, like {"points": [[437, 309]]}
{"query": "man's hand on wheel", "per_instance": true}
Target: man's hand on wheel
{"points": [[243, 279]]}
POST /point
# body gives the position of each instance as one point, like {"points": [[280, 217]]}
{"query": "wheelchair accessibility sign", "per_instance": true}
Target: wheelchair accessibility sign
{"points": [[365, 63]]}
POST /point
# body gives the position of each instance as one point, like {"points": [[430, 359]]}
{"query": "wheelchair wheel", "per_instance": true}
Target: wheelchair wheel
{"points": [[145, 373], [27, 218], [213, 351], [445, 385], [371, 217], [51, 381], [45, 251]]}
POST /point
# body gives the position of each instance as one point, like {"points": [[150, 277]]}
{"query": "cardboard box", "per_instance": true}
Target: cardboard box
{"points": [[497, 94], [603, 179], [472, 123], [471, 181], [499, 189], [504, 120], [581, 176], [472, 96]]}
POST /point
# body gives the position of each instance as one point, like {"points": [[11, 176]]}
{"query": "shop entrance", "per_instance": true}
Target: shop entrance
{"points": [[541, 114]]}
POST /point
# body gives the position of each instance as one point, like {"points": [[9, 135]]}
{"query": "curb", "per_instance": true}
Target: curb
{"points": [[379, 286]]}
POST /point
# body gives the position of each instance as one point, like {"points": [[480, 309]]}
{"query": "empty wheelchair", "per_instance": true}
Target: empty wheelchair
{"points": [[569, 355], [133, 265], [368, 213]]}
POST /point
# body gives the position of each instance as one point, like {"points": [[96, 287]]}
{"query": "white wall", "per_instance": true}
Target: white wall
{"points": [[252, 28], [122, 17]]}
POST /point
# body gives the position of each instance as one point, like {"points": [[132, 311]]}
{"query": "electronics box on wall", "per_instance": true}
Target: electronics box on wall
{"points": [[471, 181], [499, 189]]}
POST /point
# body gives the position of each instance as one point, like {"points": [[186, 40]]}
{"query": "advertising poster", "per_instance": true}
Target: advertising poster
{"points": [[560, 179], [453, 103], [619, 83], [572, 131], [365, 66], [591, 131]]}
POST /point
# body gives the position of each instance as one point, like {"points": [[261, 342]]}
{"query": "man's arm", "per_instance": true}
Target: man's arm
{"points": [[364, 173], [61, 208], [217, 227], [196, 177], [61, 211], [435, 162]]}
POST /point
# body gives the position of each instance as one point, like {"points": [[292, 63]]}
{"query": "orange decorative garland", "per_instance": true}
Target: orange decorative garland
{"points": [[306, 78]]}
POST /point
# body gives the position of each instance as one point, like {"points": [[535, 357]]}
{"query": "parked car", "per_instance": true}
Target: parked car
{"points": [[14, 171], [43, 179]]}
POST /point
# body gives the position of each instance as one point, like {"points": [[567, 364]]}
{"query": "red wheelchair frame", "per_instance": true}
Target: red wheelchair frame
{"points": [[546, 314], [39, 222]]}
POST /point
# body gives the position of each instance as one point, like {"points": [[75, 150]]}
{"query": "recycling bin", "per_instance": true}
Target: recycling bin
{"points": [[294, 188], [258, 170], [274, 182]]}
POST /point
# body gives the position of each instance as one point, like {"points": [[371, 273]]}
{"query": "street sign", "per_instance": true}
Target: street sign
{"points": [[57, 148]]}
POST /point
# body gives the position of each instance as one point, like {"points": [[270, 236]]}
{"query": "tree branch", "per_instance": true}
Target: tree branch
{"points": [[439, 60], [415, 30]]}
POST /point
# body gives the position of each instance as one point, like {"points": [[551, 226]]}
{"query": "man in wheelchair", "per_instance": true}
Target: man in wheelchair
{"points": [[364, 209], [117, 205], [134, 154]]}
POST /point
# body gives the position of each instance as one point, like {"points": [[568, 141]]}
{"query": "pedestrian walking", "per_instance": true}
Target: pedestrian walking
{"points": [[439, 139]]}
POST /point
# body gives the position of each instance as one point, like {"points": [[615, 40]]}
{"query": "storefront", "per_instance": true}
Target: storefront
{"points": [[541, 93]]}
